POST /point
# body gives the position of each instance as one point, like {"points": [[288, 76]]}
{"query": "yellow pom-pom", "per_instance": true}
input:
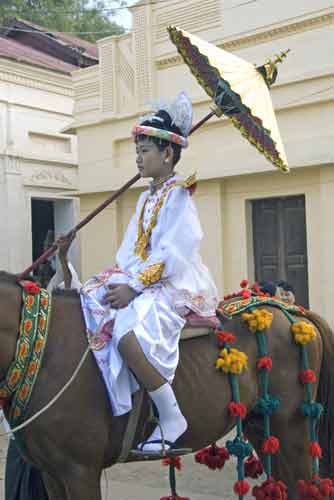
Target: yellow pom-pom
{"points": [[232, 361], [219, 363], [303, 332], [258, 320]]}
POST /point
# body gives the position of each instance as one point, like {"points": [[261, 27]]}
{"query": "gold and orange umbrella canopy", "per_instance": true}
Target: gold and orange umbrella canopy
{"points": [[240, 91]]}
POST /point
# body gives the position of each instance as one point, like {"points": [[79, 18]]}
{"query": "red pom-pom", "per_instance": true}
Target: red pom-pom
{"points": [[176, 461], [237, 409], [241, 487], [270, 445], [315, 489], [307, 377], [315, 450], [31, 287], [225, 337], [227, 296], [244, 283], [214, 457], [302, 309], [253, 467], [270, 489], [246, 294], [256, 289], [264, 363]]}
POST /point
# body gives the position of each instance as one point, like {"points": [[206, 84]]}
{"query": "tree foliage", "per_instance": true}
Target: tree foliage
{"points": [[76, 16]]}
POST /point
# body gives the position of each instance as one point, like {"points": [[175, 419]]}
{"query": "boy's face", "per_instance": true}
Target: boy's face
{"points": [[151, 162]]}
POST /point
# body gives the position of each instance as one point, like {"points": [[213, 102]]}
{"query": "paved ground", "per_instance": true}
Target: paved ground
{"points": [[149, 481]]}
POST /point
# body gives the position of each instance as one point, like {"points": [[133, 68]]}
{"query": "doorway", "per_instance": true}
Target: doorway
{"points": [[49, 218], [43, 230], [279, 242]]}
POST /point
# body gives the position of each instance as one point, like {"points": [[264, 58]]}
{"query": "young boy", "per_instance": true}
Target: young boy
{"points": [[135, 311]]}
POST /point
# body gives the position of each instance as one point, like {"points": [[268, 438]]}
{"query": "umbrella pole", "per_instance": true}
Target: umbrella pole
{"points": [[202, 121], [48, 253]]}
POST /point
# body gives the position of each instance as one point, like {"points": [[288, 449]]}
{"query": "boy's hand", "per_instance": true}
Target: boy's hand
{"points": [[63, 243], [119, 296]]}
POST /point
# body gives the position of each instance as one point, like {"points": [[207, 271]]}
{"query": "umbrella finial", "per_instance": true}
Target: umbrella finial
{"points": [[269, 69], [281, 56]]}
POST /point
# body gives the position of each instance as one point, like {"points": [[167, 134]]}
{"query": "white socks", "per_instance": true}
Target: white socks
{"points": [[171, 419]]}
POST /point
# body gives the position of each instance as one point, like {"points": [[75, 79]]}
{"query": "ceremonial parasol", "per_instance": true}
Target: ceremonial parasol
{"points": [[240, 91]]}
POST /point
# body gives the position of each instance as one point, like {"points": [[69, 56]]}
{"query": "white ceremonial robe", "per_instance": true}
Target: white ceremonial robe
{"points": [[171, 281]]}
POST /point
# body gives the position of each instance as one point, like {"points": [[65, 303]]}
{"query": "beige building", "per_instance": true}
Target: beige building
{"points": [[38, 164], [258, 223]]}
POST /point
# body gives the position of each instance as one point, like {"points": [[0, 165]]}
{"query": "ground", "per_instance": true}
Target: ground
{"points": [[149, 481]]}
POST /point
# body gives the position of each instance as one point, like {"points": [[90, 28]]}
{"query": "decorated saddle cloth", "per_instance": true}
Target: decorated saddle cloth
{"points": [[240, 305], [16, 389]]}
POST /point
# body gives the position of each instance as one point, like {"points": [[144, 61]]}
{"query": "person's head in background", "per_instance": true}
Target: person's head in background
{"points": [[268, 287], [286, 292]]}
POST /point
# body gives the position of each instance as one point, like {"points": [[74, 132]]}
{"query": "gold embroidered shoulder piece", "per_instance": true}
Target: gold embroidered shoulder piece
{"points": [[190, 181], [189, 184], [152, 274]]}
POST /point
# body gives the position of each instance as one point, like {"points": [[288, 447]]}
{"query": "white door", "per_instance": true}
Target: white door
{"points": [[66, 216]]}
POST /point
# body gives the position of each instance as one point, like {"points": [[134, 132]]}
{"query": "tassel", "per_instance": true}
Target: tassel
{"points": [[213, 457], [253, 467]]}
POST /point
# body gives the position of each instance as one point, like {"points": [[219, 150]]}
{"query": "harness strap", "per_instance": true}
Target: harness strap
{"points": [[131, 427]]}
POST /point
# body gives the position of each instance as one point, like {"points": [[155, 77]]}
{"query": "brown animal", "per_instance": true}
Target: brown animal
{"points": [[74, 440]]}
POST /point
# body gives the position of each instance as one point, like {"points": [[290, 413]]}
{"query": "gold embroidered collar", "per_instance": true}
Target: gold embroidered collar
{"points": [[144, 236]]}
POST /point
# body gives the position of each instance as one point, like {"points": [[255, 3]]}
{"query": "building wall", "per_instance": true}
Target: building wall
{"points": [[231, 173], [36, 160]]}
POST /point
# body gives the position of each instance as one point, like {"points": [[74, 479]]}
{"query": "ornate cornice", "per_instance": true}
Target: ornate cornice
{"points": [[49, 177], [21, 74], [260, 37], [24, 156]]}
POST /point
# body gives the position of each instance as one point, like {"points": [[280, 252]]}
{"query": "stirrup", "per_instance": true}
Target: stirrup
{"points": [[170, 452]]}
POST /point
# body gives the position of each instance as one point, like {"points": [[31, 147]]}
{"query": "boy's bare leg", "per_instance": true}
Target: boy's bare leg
{"points": [[171, 419], [132, 353]]}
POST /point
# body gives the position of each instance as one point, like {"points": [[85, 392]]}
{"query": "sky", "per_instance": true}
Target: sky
{"points": [[123, 17]]}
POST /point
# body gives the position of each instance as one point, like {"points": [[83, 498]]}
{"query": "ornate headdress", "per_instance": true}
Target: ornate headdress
{"points": [[180, 112]]}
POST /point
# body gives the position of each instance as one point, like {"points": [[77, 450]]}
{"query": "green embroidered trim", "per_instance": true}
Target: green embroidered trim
{"points": [[241, 305], [23, 371]]}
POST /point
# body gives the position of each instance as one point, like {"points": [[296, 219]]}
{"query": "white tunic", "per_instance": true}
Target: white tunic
{"points": [[167, 271]]}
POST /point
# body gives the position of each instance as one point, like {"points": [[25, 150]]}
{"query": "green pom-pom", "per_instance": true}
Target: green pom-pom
{"points": [[313, 409], [267, 405], [239, 448]]}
